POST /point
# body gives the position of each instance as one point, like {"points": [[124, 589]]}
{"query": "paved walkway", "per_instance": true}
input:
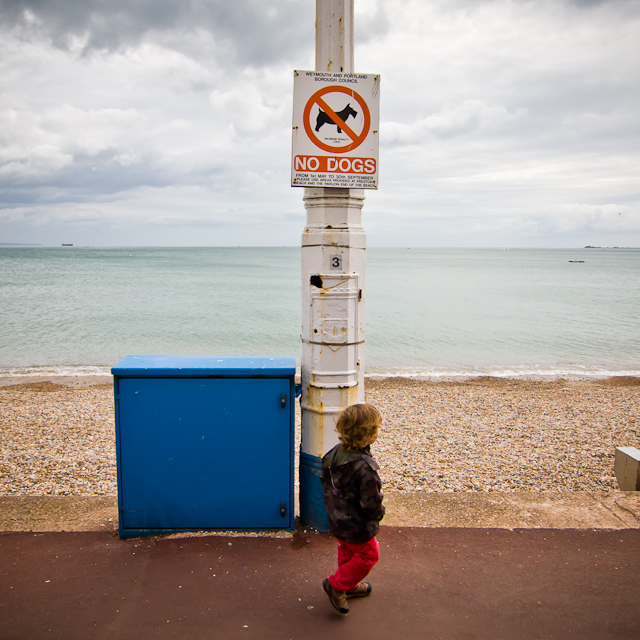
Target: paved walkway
{"points": [[449, 582]]}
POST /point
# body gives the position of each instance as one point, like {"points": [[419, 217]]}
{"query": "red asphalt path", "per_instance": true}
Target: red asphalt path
{"points": [[430, 583]]}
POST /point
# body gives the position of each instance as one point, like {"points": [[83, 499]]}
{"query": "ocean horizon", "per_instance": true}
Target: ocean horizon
{"points": [[429, 312]]}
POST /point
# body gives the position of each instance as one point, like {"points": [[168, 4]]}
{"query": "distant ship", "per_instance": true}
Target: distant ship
{"points": [[67, 244]]}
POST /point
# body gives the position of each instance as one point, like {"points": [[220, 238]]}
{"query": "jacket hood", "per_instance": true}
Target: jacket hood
{"points": [[339, 456]]}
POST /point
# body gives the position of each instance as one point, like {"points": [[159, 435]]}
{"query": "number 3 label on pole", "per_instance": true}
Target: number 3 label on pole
{"points": [[335, 129]]}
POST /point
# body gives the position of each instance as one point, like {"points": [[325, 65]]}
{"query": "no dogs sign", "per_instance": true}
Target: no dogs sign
{"points": [[335, 129]]}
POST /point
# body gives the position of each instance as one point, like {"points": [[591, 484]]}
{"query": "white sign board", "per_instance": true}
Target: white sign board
{"points": [[335, 129]]}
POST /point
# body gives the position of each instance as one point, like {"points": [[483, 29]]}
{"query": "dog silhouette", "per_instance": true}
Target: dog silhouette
{"points": [[323, 118]]}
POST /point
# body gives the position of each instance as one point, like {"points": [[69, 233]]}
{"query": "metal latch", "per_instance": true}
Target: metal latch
{"points": [[283, 400], [283, 509]]}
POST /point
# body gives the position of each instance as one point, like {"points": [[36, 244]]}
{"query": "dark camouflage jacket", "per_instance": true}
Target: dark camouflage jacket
{"points": [[352, 494]]}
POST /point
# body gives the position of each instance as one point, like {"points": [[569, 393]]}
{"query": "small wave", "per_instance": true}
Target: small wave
{"points": [[521, 373], [57, 371], [442, 373]]}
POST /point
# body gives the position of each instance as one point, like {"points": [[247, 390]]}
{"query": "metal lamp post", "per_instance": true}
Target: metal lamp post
{"points": [[333, 273]]}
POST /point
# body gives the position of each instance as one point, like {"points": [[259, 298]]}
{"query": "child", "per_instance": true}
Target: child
{"points": [[353, 500]]}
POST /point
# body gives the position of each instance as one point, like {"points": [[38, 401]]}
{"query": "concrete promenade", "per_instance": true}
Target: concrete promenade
{"points": [[453, 566]]}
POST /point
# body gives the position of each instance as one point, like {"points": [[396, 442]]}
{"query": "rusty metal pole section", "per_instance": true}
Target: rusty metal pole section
{"points": [[338, 138]]}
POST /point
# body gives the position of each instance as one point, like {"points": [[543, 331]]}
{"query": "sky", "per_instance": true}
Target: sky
{"points": [[504, 123]]}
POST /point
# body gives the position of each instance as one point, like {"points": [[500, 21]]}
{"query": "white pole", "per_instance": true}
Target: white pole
{"points": [[333, 271]]}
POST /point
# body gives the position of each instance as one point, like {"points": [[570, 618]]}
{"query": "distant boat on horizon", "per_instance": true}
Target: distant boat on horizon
{"points": [[67, 244]]}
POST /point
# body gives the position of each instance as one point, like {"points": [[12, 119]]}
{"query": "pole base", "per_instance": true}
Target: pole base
{"points": [[312, 509]]}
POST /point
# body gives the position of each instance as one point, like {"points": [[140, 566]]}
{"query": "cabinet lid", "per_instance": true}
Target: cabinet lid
{"points": [[204, 366]]}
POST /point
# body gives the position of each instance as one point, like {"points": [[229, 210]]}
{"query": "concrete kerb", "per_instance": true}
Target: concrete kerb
{"points": [[517, 510]]}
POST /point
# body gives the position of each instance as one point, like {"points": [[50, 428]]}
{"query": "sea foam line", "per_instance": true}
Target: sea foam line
{"points": [[373, 372]]}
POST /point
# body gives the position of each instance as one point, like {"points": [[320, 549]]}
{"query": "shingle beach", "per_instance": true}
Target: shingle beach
{"points": [[485, 434]]}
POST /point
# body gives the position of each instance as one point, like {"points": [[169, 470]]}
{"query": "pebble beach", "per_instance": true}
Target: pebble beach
{"points": [[483, 434]]}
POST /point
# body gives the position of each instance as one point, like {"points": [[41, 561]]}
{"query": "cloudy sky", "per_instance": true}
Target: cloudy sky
{"points": [[164, 122]]}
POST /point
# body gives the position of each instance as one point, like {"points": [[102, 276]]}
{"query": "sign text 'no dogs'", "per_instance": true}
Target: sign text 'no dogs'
{"points": [[335, 129]]}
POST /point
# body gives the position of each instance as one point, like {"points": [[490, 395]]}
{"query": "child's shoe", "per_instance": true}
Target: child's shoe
{"points": [[337, 598], [359, 591]]}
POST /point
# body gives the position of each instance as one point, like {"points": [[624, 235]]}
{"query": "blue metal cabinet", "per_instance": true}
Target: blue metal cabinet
{"points": [[204, 443]]}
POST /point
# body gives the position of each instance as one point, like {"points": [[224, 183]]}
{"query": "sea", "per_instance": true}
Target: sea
{"points": [[429, 312]]}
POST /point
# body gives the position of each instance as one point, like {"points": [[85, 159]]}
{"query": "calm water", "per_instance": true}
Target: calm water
{"points": [[429, 311]]}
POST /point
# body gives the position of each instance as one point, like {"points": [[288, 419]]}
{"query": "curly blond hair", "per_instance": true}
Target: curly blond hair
{"points": [[358, 425]]}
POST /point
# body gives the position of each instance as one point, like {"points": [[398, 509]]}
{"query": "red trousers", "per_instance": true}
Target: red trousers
{"points": [[355, 561]]}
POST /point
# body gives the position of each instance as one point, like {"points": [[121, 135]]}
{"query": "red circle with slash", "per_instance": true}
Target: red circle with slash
{"points": [[356, 139]]}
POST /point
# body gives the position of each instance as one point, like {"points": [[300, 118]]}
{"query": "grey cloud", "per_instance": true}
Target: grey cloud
{"points": [[467, 119], [594, 3], [371, 21], [453, 5], [103, 176], [249, 32]]}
